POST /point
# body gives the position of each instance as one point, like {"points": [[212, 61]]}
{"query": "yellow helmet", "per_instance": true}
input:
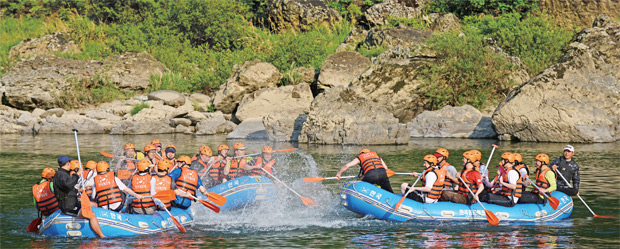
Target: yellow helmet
{"points": [[185, 159], [205, 150], [431, 159], [171, 146], [543, 158], [518, 157], [102, 166], [267, 149], [143, 165], [444, 152], [48, 173], [129, 146], [156, 141], [149, 147], [238, 146], [91, 164]]}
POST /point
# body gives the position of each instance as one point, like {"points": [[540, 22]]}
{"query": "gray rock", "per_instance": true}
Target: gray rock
{"points": [[58, 112], [102, 115], [48, 44], [196, 117], [457, 122], [445, 22], [26, 119], [145, 127], [66, 124], [8, 126], [400, 36], [353, 40], [180, 121], [214, 123], [379, 14], [200, 101], [37, 112], [294, 99], [283, 127], [170, 97], [183, 129], [133, 70], [341, 68], [252, 128], [300, 15]]}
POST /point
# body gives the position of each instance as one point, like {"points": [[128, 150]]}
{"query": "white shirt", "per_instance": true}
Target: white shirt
{"points": [[431, 178], [513, 177], [119, 183], [523, 172]]}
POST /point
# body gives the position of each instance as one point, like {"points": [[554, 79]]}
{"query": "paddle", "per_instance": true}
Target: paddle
{"points": [[552, 200], [176, 222], [216, 198], [493, 220], [584, 202], [405, 196], [34, 225], [166, 195], [307, 201], [389, 173], [256, 154], [207, 204], [106, 154], [85, 201]]}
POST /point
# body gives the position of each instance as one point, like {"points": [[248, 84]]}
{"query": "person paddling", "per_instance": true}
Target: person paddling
{"points": [[187, 180], [171, 152], [372, 169], [141, 184], [127, 164], [523, 169], [566, 166], [265, 161], [151, 155], [433, 179], [215, 173], [64, 188], [471, 177], [162, 181], [545, 180], [107, 188], [510, 185], [236, 166], [157, 144], [202, 162], [43, 192]]}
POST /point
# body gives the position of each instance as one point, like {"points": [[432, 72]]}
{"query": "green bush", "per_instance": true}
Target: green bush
{"points": [[466, 73], [137, 108], [169, 81], [351, 10], [91, 91], [462, 8], [372, 51]]}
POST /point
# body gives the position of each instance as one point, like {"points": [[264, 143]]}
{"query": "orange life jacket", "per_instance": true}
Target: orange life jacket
{"points": [[448, 182], [215, 171], [107, 190], [163, 183], [204, 165], [541, 181], [472, 185], [370, 161], [438, 185], [519, 167], [141, 184], [267, 166], [89, 189], [237, 167], [46, 200], [126, 173], [188, 180], [508, 191]]}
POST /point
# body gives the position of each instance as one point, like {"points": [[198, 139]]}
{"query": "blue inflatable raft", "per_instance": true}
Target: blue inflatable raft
{"points": [[243, 191], [114, 224], [367, 199]]}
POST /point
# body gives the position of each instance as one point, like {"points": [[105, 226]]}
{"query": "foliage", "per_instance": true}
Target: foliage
{"points": [[91, 91], [351, 10], [536, 40], [462, 8], [137, 108], [370, 52], [169, 81], [466, 73], [414, 22]]}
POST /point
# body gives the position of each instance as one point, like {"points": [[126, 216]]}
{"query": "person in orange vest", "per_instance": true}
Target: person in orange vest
{"points": [[151, 155], [141, 184], [126, 165], [236, 166], [523, 168], [157, 145], [471, 175], [509, 185], [89, 173], [170, 152], [432, 177], [162, 181], [545, 180], [203, 161], [64, 182], [187, 180], [43, 193], [372, 169], [265, 161], [449, 171], [108, 189], [215, 175]]}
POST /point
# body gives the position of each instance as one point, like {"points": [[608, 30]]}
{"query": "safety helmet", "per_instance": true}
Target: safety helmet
{"points": [[444, 152], [518, 157], [149, 147], [185, 159], [205, 150], [222, 147], [508, 156], [364, 151], [267, 149], [238, 146], [163, 164], [156, 141], [48, 173], [470, 156], [543, 158], [129, 146], [171, 146], [75, 164], [477, 154], [431, 159], [144, 165], [102, 166], [91, 164]]}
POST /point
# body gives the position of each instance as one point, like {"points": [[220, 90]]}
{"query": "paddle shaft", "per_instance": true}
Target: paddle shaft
{"points": [[489, 161], [584, 202], [176, 223], [407, 193], [536, 186], [77, 146], [472, 192], [282, 183], [256, 154]]}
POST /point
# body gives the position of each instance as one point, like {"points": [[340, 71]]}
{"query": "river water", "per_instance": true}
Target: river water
{"points": [[286, 222]]}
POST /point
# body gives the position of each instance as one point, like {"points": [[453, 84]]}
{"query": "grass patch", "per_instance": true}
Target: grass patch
{"points": [[371, 52], [94, 91], [414, 22], [137, 108]]}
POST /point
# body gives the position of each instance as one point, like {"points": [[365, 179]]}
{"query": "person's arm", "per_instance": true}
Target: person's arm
{"points": [[576, 178], [550, 176], [125, 189], [227, 167], [203, 190], [513, 177], [450, 174], [431, 177], [347, 166]]}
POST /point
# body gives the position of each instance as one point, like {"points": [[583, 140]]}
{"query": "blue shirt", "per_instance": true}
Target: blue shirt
{"points": [[183, 202]]}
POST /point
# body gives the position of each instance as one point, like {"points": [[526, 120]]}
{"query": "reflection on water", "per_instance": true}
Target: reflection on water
{"points": [[286, 222]]}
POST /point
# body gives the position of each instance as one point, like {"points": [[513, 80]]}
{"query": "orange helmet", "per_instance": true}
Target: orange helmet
{"points": [[222, 147], [364, 151], [205, 150], [470, 156], [543, 158], [185, 159], [129, 146], [431, 159], [149, 147], [267, 149], [164, 164], [143, 165], [75, 164], [508, 156], [477, 154], [518, 157], [239, 146], [91, 164], [48, 173], [444, 152], [171, 146], [102, 166], [156, 141]]}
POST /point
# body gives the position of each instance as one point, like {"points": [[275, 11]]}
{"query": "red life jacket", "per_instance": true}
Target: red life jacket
{"points": [[267, 166], [541, 181], [107, 190], [141, 184], [472, 185], [188, 180], [508, 191], [370, 161], [126, 173], [438, 185], [46, 200], [163, 183]]}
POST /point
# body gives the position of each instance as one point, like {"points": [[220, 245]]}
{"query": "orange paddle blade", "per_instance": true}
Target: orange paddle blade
{"points": [[105, 154], [554, 202], [399, 202], [307, 201], [217, 198], [209, 205], [390, 172], [179, 226], [165, 195], [283, 150], [603, 216], [34, 225], [493, 220], [313, 179], [87, 210]]}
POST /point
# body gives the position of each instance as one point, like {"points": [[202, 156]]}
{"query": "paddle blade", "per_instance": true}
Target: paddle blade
{"points": [[283, 150], [165, 195], [313, 179], [554, 202], [493, 220], [390, 172], [399, 202], [217, 198], [176, 223], [603, 216], [105, 154], [34, 225], [307, 201], [210, 205], [87, 210]]}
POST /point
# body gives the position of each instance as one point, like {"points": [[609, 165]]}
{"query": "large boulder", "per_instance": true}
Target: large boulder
{"points": [[458, 122], [575, 100], [379, 14], [340, 69], [444, 22], [341, 116], [144, 127], [300, 15], [67, 123], [283, 127], [214, 123], [48, 44], [200, 101], [252, 128], [244, 79], [391, 37], [133, 70], [170, 97], [294, 99], [579, 13]]}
